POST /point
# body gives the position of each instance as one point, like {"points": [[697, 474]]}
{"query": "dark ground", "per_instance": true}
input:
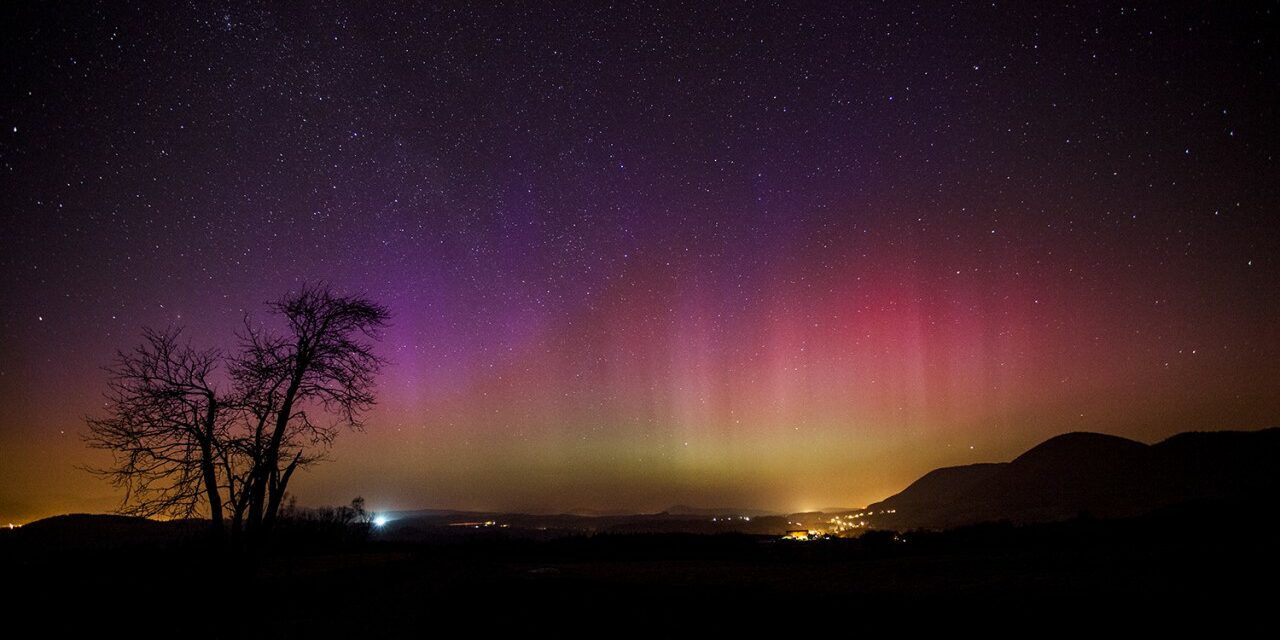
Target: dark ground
{"points": [[1200, 565]]}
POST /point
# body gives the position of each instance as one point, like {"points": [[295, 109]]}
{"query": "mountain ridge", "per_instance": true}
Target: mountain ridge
{"points": [[1095, 473]]}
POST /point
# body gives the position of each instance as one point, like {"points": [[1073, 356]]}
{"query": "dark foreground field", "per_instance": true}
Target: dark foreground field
{"points": [[1178, 566]]}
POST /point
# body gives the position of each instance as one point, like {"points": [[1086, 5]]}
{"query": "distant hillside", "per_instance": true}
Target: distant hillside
{"points": [[1102, 475], [685, 510], [99, 531]]}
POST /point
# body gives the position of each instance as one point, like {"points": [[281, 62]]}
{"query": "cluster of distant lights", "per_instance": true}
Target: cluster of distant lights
{"points": [[838, 524], [845, 522], [804, 535], [479, 525], [848, 521], [379, 521]]}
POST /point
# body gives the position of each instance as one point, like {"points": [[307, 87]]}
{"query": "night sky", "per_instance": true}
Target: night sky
{"points": [[780, 256]]}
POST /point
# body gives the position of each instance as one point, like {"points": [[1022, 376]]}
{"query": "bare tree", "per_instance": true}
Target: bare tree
{"points": [[181, 445], [299, 388], [165, 426]]}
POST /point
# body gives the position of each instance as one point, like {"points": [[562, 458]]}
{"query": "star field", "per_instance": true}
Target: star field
{"points": [[773, 255]]}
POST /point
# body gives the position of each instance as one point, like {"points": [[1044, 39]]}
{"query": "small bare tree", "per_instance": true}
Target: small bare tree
{"points": [[165, 427]]}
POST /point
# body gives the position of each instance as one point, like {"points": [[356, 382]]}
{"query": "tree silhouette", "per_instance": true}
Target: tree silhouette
{"points": [[181, 444], [166, 426], [300, 387]]}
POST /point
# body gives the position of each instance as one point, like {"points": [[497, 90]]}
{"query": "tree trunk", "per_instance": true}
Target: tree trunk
{"points": [[211, 487], [261, 512], [277, 490], [210, 473], [254, 521], [237, 519]]}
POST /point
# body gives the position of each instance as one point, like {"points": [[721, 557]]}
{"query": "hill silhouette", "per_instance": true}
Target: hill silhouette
{"points": [[83, 531], [686, 510], [1092, 473]]}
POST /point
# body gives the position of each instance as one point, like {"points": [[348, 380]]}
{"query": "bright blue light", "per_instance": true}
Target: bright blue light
{"points": [[379, 521]]}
